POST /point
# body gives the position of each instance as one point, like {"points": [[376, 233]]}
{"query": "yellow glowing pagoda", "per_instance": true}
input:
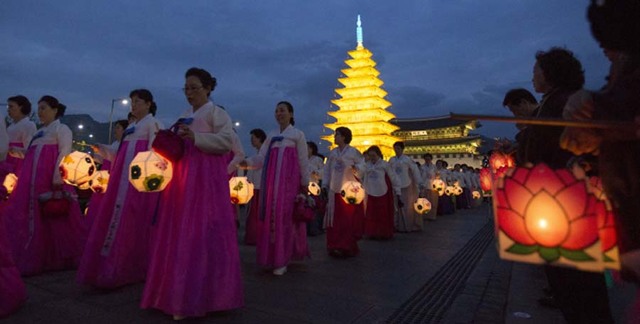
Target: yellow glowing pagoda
{"points": [[362, 107]]}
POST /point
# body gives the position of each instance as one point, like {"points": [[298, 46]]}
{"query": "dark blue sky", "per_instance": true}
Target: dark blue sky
{"points": [[434, 56]]}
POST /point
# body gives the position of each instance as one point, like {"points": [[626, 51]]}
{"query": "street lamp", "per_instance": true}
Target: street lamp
{"points": [[123, 101]]}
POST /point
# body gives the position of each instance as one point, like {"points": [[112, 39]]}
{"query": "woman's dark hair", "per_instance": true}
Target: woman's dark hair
{"points": [[614, 24], [54, 104], [259, 134], [346, 133], [289, 108], [204, 76], [516, 96], [427, 155], [124, 123], [561, 68], [375, 149], [23, 103], [145, 95], [399, 144], [313, 147]]}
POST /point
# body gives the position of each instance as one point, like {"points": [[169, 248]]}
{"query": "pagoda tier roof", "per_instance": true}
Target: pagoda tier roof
{"points": [[363, 71], [413, 124], [360, 62], [443, 141], [361, 92], [359, 80], [361, 103], [360, 116], [360, 53]]}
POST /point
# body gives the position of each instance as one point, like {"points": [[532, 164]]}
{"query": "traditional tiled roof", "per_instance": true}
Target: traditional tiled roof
{"points": [[443, 141], [413, 124]]}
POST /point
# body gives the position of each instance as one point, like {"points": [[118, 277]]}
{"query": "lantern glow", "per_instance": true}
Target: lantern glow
{"points": [[422, 206], [352, 192], [314, 188], [77, 168], [438, 185], [150, 172], [485, 179], [99, 182], [10, 181], [240, 190]]}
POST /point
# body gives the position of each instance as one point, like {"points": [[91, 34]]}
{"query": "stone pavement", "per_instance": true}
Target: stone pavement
{"points": [[448, 273]]}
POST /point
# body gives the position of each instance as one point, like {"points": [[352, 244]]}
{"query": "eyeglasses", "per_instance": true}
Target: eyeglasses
{"points": [[185, 89]]}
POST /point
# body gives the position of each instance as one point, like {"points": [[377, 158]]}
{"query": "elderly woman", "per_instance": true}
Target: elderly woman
{"points": [[43, 241], [194, 261]]}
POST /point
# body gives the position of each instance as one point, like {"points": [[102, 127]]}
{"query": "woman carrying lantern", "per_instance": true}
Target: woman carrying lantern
{"points": [[410, 182], [194, 261], [43, 220], [316, 166], [343, 221], [20, 131], [258, 136], [283, 159], [118, 246], [380, 188]]}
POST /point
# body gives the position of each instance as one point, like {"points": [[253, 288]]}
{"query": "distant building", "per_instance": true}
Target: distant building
{"points": [[443, 137]]}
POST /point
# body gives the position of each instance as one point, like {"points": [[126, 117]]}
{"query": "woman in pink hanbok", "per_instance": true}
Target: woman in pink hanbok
{"points": [[195, 263], [258, 136], [283, 159], [20, 131], [344, 222], [41, 241], [12, 291], [118, 246]]}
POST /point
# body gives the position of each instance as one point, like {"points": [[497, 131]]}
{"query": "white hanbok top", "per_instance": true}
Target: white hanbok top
{"points": [[292, 137], [238, 154], [4, 141], [337, 170], [20, 132], [428, 172], [254, 175], [374, 183], [54, 133], [406, 171], [315, 170], [212, 130], [145, 128]]}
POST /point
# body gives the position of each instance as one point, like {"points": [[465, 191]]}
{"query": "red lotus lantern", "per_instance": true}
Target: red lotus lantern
{"points": [[499, 160], [485, 179], [547, 216], [606, 225]]}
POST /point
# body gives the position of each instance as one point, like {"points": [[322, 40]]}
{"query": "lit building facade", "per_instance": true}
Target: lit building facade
{"points": [[361, 106], [445, 138]]}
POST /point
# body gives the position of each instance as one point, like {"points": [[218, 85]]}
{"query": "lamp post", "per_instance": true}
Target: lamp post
{"points": [[123, 101]]}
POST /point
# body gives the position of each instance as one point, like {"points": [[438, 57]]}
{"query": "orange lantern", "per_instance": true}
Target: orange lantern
{"points": [[150, 172], [449, 190], [499, 160], [476, 194], [422, 206], [10, 181], [547, 216], [240, 190], [457, 190], [99, 182], [314, 188], [352, 192], [438, 185], [485, 179], [77, 168]]}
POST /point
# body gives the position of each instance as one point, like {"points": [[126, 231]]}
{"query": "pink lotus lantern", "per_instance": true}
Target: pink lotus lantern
{"points": [[547, 216], [352, 192], [499, 160], [241, 190], [485, 179]]}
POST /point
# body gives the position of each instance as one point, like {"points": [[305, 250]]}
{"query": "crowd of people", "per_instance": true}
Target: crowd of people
{"points": [[182, 242]]}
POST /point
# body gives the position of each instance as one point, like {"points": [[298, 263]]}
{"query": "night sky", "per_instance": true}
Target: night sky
{"points": [[434, 56]]}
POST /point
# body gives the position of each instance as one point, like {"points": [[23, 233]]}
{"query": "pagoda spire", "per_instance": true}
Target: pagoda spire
{"points": [[359, 32]]}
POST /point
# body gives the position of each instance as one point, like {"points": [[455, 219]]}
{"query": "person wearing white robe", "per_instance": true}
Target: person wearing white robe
{"points": [[410, 182]]}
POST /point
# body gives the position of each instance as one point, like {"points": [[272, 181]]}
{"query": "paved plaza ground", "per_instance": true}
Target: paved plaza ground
{"points": [[448, 273]]}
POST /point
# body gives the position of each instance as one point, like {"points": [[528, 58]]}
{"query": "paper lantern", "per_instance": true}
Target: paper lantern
{"points": [[485, 179], [314, 188], [150, 172], [499, 160], [422, 206], [438, 185], [547, 216], [457, 190], [352, 192], [476, 194], [77, 168], [241, 190], [98, 183], [449, 190], [10, 181]]}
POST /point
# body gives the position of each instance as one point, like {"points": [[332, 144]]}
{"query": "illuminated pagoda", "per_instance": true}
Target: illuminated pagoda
{"points": [[362, 107], [445, 138]]}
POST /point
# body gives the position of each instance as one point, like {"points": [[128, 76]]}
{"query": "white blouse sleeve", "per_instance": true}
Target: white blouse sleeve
{"points": [[220, 141], [64, 139]]}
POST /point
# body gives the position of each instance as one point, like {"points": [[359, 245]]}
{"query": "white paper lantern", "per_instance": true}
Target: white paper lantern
{"points": [[422, 206], [438, 185], [150, 172], [476, 194], [352, 192], [449, 190], [241, 190], [10, 181], [77, 168], [314, 188], [457, 190], [99, 182]]}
